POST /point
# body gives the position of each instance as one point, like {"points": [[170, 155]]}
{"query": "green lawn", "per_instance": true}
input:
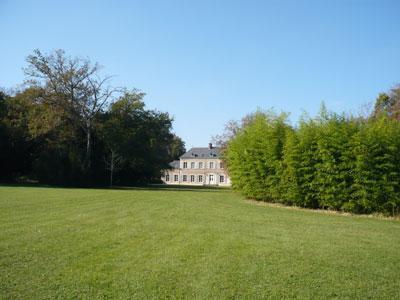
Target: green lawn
{"points": [[200, 243]]}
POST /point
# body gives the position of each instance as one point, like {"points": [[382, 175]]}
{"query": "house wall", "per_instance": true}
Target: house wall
{"points": [[206, 172]]}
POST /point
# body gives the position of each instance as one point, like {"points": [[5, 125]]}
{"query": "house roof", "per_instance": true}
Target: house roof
{"points": [[202, 152], [174, 164]]}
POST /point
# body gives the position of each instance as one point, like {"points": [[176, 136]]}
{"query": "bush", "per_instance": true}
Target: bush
{"points": [[330, 162]]}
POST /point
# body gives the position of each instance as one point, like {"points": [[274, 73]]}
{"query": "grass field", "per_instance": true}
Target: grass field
{"points": [[200, 243]]}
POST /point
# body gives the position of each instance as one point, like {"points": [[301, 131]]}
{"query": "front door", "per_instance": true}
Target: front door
{"points": [[212, 179]]}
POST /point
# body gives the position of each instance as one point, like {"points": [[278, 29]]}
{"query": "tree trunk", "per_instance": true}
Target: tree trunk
{"points": [[111, 168], [88, 143]]}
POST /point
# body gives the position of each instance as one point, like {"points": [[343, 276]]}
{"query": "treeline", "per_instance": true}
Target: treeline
{"points": [[332, 161], [68, 126]]}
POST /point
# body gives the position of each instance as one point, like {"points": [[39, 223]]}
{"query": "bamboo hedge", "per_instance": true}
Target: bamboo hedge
{"points": [[332, 161]]}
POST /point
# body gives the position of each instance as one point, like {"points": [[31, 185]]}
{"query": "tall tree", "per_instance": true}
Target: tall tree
{"points": [[388, 104], [75, 84], [176, 148], [142, 138]]}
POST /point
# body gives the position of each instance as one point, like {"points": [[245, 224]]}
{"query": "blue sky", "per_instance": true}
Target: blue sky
{"points": [[206, 62]]}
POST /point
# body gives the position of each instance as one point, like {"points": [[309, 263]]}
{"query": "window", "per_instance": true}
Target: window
{"points": [[176, 177], [167, 177], [185, 165], [211, 178], [200, 165], [200, 178], [221, 178], [211, 165], [192, 165], [191, 178], [184, 178], [221, 165]]}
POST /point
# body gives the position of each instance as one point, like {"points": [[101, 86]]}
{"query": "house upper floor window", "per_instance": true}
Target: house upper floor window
{"points": [[184, 178], [192, 164], [200, 165], [191, 178], [221, 165], [167, 177], [185, 165], [176, 178], [211, 165]]}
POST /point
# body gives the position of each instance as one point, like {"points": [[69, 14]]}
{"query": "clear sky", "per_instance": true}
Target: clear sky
{"points": [[206, 62]]}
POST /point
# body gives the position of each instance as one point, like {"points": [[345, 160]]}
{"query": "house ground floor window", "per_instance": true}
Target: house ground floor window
{"points": [[221, 178], [191, 178], [184, 178], [167, 177], [200, 178], [176, 178]]}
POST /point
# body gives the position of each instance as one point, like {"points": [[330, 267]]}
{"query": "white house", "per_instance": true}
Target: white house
{"points": [[198, 166]]}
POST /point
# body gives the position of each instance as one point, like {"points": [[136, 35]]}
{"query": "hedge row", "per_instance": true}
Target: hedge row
{"points": [[331, 162]]}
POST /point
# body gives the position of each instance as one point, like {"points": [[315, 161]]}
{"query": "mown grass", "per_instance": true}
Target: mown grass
{"points": [[190, 243]]}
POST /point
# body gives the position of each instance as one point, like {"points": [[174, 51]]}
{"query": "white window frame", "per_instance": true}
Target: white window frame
{"points": [[185, 165], [201, 165], [221, 179], [184, 178], [200, 178], [167, 177], [192, 178], [211, 165], [192, 165], [176, 178]]}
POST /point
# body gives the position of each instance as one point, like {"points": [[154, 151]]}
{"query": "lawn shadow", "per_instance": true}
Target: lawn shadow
{"points": [[172, 188], [150, 187]]}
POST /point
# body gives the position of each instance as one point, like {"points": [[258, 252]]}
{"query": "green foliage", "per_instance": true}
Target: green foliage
{"points": [[263, 137], [142, 137], [42, 137], [330, 162], [388, 104]]}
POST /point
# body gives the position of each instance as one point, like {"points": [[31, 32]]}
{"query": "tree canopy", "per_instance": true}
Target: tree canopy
{"points": [[70, 126]]}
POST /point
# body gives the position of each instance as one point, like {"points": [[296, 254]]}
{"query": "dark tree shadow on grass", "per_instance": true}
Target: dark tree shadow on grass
{"points": [[149, 187]]}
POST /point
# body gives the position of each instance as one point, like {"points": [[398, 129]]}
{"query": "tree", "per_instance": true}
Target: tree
{"points": [[176, 148], [142, 138], [16, 143], [388, 104], [75, 85], [113, 164], [230, 130], [65, 128]]}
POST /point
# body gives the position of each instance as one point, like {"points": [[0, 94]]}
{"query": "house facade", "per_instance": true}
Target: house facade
{"points": [[198, 166]]}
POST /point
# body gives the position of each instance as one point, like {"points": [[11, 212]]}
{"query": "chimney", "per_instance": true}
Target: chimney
{"points": [[210, 146]]}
